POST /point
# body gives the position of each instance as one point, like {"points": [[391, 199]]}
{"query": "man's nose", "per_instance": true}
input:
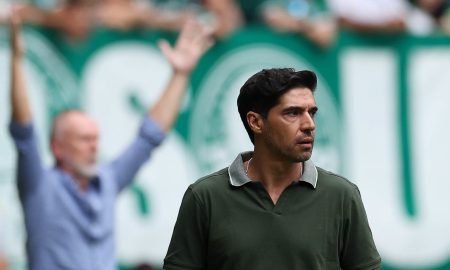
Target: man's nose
{"points": [[93, 145], [308, 123]]}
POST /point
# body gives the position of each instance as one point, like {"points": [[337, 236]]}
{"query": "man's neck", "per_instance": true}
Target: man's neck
{"points": [[82, 182], [274, 175]]}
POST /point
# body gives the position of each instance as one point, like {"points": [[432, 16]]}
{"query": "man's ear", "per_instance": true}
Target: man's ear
{"points": [[255, 121], [55, 148]]}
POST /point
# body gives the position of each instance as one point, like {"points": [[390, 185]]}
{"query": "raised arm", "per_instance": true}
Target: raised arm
{"points": [[191, 44], [20, 106], [29, 166]]}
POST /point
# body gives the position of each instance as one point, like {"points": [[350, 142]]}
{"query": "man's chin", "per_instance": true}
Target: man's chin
{"points": [[87, 171], [303, 157]]}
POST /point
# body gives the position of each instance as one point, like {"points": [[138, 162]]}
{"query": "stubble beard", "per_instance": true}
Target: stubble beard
{"points": [[289, 153], [298, 157], [87, 171]]}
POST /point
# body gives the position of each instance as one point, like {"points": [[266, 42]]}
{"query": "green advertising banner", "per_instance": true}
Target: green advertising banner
{"points": [[383, 103]]}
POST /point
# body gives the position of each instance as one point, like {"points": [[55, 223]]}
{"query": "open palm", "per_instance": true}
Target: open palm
{"points": [[194, 40]]}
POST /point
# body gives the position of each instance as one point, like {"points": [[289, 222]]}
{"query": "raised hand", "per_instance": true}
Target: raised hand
{"points": [[194, 40]]}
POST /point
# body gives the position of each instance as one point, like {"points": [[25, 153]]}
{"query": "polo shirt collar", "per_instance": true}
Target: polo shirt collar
{"points": [[238, 177]]}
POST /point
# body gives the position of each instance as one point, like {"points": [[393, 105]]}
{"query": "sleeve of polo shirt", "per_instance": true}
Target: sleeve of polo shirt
{"points": [[359, 251], [29, 164], [126, 166], [187, 249]]}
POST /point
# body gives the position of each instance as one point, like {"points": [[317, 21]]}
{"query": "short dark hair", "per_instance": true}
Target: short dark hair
{"points": [[261, 91]]}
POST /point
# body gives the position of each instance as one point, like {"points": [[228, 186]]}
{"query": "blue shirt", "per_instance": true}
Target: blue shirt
{"points": [[68, 228]]}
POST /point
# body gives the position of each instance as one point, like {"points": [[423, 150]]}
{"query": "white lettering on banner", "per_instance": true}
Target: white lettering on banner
{"points": [[129, 92], [429, 84], [370, 103]]}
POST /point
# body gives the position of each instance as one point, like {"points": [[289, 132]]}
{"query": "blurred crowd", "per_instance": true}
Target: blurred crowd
{"points": [[317, 20]]}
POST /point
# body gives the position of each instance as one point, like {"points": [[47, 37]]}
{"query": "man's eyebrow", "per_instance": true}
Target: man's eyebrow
{"points": [[290, 108]]}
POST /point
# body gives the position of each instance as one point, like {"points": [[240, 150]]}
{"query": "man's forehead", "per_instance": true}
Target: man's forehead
{"points": [[77, 122], [78, 118], [299, 89], [298, 95]]}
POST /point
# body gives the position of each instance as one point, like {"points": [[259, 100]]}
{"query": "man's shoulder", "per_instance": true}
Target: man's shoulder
{"points": [[213, 181], [21, 131], [334, 181]]}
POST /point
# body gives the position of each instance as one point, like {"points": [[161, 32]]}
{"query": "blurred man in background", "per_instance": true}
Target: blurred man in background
{"points": [[69, 209]]}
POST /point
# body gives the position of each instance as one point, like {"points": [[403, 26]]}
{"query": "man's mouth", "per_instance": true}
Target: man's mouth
{"points": [[308, 142]]}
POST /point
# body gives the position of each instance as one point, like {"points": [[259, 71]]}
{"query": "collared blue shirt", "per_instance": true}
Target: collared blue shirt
{"points": [[68, 228]]}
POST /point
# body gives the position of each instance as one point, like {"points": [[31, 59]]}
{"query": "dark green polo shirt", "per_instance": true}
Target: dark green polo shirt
{"points": [[226, 221]]}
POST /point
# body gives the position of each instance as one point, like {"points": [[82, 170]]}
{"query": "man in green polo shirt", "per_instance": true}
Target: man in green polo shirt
{"points": [[273, 208]]}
